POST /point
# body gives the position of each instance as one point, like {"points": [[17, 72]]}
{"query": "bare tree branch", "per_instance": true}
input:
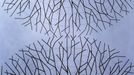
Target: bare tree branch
{"points": [[72, 17], [68, 56]]}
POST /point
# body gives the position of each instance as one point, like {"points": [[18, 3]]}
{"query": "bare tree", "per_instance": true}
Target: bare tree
{"points": [[67, 51], [74, 56], [60, 17]]}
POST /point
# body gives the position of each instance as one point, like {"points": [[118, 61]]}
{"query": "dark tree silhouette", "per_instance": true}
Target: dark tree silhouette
{"points": [[73, 56], [67, 51], [60, 17]]}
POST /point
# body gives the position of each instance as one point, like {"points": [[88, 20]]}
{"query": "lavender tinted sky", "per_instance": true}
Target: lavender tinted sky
{"points": [[120, 35], [14, 36]]}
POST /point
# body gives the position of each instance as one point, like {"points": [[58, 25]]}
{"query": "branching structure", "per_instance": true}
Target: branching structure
{"points": [[75, 56], [68, 51], [54, 17]]}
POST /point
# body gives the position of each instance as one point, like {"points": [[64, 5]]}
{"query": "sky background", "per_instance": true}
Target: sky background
{"points": [[14, 36]]}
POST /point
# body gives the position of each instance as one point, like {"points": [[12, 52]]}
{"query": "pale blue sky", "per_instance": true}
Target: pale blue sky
{"points": [[14, 36]]}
